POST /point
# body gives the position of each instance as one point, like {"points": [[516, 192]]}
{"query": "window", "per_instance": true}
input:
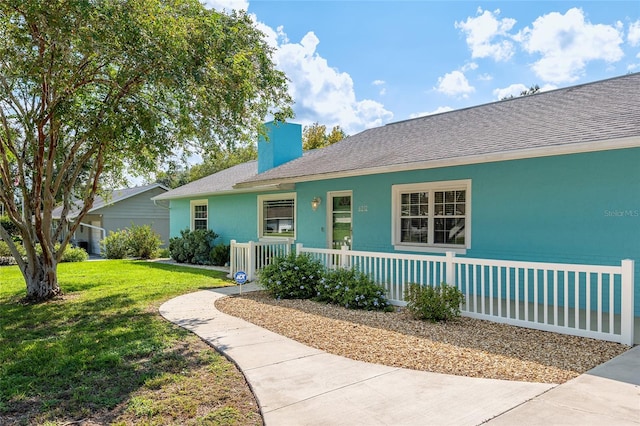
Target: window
{"points": [[277, 215], [199, 215], [432, 214]]}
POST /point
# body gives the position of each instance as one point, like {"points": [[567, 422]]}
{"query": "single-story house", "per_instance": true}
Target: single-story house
{"points": [[549, 177], [118, 210]]}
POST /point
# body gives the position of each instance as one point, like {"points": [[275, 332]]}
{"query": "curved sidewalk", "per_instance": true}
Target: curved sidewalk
{"points": [[298, 385]]}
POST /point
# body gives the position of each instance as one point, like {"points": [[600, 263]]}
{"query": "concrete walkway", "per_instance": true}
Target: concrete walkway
{"points": [[298, 385]]}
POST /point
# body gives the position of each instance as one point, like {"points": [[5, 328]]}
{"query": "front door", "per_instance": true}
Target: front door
{"points": [[340, 216]]}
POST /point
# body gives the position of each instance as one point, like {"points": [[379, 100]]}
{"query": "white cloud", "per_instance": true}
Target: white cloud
{"points": [[322, 93], [516, 89], [485, 77], [567, 43], [487, 36], [436, 111], [454, 84], [512, 90], [383, 90], [471, 66], [226, 4], [634, 34]]}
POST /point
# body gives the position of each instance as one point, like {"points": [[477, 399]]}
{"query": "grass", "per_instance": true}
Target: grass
{"points": [[102, 354]]}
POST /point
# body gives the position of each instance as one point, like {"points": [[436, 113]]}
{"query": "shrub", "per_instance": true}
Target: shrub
{"points": [[220, 255], [4, 250], [9, 226], [143, 242], [292, 276], [193, 246], [352, 289], [439, 303], [164, 253], [115, 245], [74, 254]]}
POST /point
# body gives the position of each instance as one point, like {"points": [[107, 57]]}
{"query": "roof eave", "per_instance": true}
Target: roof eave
{"points": [[257, 188]]}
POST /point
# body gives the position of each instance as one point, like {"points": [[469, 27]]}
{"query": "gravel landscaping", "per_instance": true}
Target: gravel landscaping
{"points": [[466, 347]]}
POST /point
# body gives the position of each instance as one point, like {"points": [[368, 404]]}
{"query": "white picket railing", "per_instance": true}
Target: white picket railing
{"points": [[252, 256], [583, 300]]}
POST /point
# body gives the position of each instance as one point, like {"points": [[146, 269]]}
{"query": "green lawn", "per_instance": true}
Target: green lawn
{"points": [[103, 353]]}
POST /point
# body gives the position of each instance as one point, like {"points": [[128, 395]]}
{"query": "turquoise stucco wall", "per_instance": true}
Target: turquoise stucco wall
{"points": [[580, 208]]}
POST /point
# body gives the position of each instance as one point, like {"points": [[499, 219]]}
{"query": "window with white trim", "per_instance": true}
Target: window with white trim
{"points": [[199, 215], [433, 214], [277, 215]]}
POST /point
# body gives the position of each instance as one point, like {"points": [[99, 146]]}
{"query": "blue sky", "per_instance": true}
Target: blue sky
{"points": [[361, 64]]}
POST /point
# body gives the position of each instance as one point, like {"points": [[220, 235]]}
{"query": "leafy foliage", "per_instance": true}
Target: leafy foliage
{"points": [[115, 245], [74, 254], [302, 277], [315, 136], [352, 289], [86, 84], [220, 255], [70, 254], [139, 241], [292, 277], [9, 226], [193, 246], [144, 242], [438, 303]]}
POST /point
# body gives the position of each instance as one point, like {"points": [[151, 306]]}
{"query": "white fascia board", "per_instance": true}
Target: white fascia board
{"points": [[549, 151]]}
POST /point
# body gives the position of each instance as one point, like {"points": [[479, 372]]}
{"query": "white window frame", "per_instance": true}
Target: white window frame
{"points": [[272, 197], [431, 187], [195, 203]]}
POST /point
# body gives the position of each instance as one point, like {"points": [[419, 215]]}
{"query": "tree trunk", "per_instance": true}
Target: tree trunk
{"points": [[42, 280]]}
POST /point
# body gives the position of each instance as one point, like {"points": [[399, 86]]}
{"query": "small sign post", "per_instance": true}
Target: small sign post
{"points": [[240, 277]]}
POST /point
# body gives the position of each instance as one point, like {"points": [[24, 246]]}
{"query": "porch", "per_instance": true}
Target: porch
{"points": [[594, 301]]}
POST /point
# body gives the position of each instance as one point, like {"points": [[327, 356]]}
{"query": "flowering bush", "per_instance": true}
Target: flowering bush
{"points": [[292, 276], [439, 303], [352, 289]]}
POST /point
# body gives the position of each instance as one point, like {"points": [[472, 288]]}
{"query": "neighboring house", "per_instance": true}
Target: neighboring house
{"points": [[118, 211], [550, 177]]}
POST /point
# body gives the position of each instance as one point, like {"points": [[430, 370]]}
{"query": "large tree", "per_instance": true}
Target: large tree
{"points": [[315, 136], [91, 88]]}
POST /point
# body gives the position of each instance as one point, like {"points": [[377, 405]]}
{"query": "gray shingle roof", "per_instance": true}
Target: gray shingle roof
{"points": [[222, 181], [586, 114], [114, 197]]}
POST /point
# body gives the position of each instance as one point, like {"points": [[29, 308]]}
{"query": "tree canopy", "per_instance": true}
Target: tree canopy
{"points": [[89, 89], [315, 136], [177, 175]]}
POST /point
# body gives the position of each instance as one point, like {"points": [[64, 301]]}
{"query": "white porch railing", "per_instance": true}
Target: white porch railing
{"points": [[581, 300], [252, 256]]}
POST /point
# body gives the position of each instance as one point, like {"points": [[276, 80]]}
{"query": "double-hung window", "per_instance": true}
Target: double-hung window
{"points": [[277, 215], [199, 215], [432, 215]]}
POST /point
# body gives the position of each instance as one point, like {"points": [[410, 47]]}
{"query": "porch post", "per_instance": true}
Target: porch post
{"points": [[450, 268], [251, 261], [233, 262], [344, 257], [626, 303]]}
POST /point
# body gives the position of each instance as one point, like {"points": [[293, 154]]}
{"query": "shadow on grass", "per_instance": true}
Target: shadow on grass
{"points": [[71, 358], [181, 268]]}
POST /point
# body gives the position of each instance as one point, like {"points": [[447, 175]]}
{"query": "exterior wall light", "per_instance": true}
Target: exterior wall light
{"points": [[315, 203]]}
